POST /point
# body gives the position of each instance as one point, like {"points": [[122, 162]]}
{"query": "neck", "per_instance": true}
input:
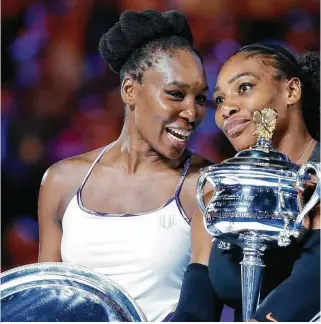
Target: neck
{"points": [[296, 142], [134, 153]]}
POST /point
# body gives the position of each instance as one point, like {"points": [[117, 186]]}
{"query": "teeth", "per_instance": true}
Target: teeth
{"points": [[181, 131], [175, 138]]}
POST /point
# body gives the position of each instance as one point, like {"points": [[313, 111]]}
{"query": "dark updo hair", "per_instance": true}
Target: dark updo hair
{"points": [[306, 67], [132, 44]]}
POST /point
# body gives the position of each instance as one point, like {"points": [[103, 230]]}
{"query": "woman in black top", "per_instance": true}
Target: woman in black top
{"points": [[255, 77]]}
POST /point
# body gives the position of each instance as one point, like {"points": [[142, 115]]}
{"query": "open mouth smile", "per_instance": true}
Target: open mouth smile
{"points": [[178, 135]]}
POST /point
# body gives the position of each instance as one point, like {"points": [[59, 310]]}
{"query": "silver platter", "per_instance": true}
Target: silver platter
{"points": [[58, 292]]}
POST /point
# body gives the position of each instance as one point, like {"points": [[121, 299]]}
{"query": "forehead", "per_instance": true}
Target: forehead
{"points": [[241, 63], [182, 66]]}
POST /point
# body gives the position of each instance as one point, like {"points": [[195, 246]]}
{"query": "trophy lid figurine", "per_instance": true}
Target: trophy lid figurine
{"points": [[256, 203]]}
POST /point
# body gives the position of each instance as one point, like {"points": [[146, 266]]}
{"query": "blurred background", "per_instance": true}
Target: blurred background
{"points": [[59, 99]]}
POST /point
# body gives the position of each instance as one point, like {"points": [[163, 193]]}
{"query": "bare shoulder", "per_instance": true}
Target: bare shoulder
{"points": [[61, 181], [69, 170]]}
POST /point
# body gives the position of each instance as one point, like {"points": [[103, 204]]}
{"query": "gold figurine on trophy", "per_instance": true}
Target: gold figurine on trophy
{"points": [[265, 121]]}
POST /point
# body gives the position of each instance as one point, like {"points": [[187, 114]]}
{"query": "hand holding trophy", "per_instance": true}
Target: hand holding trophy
{"points": [[256, 203]]}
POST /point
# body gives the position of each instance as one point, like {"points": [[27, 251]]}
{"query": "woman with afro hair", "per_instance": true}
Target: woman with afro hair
{"points": [[124, 210]]}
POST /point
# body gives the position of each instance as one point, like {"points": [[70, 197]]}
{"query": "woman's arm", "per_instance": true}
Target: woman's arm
{"points": [[198, 300], [50, 231], [201, 240], [298, 297]]}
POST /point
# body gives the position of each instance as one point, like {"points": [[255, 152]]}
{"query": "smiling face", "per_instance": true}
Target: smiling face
{"points": [[246, 84], [170, 102]]}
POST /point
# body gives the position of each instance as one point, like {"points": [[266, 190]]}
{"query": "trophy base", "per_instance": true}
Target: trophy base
{"points": [[252, 268]]}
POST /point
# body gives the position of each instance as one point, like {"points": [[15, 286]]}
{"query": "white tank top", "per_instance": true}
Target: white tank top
{"points": [[146, 254]]}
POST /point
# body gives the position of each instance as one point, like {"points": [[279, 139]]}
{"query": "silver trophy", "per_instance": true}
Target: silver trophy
{"points": [[256, 204], [60, 292]]}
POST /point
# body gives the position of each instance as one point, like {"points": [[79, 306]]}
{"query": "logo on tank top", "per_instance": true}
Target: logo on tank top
{"points": [[166, 220]]}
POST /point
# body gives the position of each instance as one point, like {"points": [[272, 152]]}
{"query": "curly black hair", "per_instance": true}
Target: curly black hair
{"points": [[306, 67], [132, 44]]}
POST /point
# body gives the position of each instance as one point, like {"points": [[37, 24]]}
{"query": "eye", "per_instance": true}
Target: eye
{"points": [[244, 87], [218, 100], [201, 99], [175, 93]]}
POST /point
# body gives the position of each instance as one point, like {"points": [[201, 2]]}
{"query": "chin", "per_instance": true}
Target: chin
{"points": [[241, 144]]}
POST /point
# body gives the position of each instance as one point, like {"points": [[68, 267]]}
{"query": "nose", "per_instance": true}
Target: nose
{"points": [[192, 113], [189, 115], [229, 109]]}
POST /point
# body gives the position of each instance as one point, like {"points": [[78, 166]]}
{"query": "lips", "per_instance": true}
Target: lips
{"points": [[235, 127], [179, 132], [178, 136]]}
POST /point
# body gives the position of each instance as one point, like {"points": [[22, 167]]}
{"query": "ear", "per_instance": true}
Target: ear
{"points": [[293, 90], [127, 91]]}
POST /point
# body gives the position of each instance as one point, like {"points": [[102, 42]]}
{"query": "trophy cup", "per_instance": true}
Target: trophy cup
{"points": [[256, 203], [61, 292]]}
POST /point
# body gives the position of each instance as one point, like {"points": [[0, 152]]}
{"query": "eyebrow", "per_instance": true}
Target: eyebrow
{"points": [[236, 77], [184, 85], [243, 74]]}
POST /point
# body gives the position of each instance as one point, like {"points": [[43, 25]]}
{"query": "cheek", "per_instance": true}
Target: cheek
{"points": [[257, 101], [268, 96], [146, 107], [151, 116], [147, 121], [273, 101]]}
